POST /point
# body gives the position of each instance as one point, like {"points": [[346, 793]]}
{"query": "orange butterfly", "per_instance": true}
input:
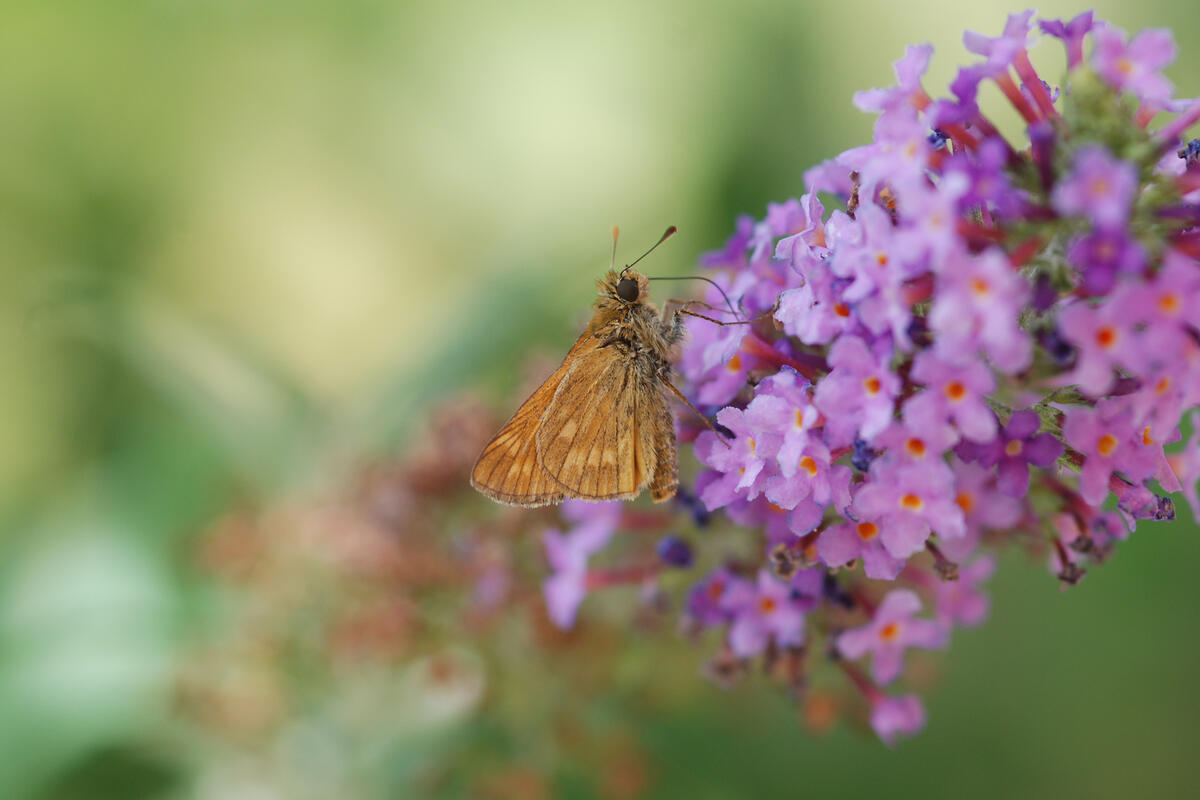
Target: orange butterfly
{"points": [[600, 427]]}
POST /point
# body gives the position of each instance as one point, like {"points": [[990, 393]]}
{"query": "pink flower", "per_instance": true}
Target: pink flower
{"points": [[919, 443], [741, 465], [815, 312], [763, 611], [813, 476], [707, 602], [1109, 439], [568, 554], [1001, 50], [954, 394], [783, 413], [866, 257], [899, 156], [858, 395], [907, 92], [908, 503], [983, 506], [1136, 66], [929, 234], [713, 361], [891, 716], [1071, 33], [1099, 187], [960, 602], [809, 245], [977, 307], [1104, 337], [1104, 254], [1186, 465], [841, 544], [1018, 445], [890, 632]]}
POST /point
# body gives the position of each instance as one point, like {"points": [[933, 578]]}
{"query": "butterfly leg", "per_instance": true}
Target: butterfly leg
{"points": [[695, 410], [674, 307], [750, 321], [674, 303]]}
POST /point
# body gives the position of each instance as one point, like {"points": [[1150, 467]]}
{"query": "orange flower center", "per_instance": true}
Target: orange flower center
{"points": [[1106, 445], [912, 502], [753, 445], [735, 363], [715, 589], [890, 631], [867, 531], [766, 604], [1163, 384], [872, 385], [881, 259], [799, 417], [915, 447], [1169, 303], [1146, 437], [955, 391], [980, 286], [1106, 337], [809, 466], [1014, 447], [1124, 66], [841, 309], [965, 501]]}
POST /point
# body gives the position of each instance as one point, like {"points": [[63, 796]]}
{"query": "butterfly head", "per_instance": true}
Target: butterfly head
{"points": [[627, 286]]}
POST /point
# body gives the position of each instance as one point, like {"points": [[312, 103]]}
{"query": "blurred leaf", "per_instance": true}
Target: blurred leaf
{"points": [[129, 773]]}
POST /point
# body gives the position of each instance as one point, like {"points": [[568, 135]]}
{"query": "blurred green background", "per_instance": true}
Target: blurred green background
{"points": [[244, 244]]}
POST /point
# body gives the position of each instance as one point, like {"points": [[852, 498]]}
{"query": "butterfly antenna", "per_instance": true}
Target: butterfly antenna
{"points": [[666, 235], [612, 262], [714, 284]]}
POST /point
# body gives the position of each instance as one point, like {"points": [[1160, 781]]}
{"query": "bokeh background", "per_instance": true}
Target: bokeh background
{"points": [[247, 245]]}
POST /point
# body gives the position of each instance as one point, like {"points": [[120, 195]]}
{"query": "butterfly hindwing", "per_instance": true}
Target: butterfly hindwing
{"points": [[665, 479]]}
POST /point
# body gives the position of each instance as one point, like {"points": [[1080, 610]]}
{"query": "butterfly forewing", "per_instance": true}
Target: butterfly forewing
{"points": [[508, 470], [588, 441]]}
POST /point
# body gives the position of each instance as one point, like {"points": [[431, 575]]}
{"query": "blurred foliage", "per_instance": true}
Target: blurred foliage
{"points": [[245, 245]]}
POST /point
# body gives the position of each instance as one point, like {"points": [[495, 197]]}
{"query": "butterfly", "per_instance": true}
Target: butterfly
{"points": [[600, 427]]}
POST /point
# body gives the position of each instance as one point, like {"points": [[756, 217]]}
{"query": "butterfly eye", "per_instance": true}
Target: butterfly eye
{"points": [[627, 289]]}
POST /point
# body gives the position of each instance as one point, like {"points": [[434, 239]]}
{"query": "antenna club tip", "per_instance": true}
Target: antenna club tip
{"points": [[671, 231], [616, 231]]}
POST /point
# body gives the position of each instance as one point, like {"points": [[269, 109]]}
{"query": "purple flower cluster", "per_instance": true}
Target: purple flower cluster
{"points": [[986, 340]]}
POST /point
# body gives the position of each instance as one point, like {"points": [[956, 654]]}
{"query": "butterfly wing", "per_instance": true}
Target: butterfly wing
{"points": [[593, 441], [508, 470], [665, 478]]}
